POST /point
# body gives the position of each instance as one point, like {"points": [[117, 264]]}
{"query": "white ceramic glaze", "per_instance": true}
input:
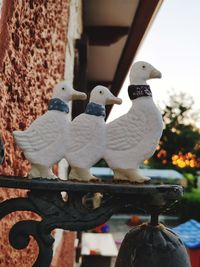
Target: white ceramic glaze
{"points": [[88, 136], [133, 137], [43, 143]]}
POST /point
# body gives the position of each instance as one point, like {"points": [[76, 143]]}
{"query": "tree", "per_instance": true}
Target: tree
{"points": [[180, 143]]}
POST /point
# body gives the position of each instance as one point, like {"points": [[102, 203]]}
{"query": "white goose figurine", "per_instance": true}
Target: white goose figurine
{"points": [[43, 143], [87, 135], [133, 137]]}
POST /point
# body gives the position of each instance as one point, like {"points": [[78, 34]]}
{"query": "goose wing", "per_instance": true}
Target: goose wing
{"points": [[126, 132], [42, 133], [81, 132]]}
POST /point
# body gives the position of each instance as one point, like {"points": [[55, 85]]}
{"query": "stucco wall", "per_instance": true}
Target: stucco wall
{"points": [[32, 57], [33, 37], [65, 253]]}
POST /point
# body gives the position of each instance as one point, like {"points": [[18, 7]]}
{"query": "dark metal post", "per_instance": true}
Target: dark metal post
{"points": [[154, 219]]}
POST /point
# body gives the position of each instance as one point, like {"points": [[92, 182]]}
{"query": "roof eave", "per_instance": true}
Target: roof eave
{"points": [[143, 18]]}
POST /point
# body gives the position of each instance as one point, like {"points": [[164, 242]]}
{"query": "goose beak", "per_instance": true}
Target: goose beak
{"points": [[76, 95], [155, 74], [113, 100]]}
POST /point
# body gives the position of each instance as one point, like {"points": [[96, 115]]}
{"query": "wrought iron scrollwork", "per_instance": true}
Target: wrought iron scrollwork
{"points": [[55, 213], [20, 233], [45, 198]]}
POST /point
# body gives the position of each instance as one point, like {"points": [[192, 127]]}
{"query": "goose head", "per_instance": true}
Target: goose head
{"points": [[142, 71], [101, 95], [64, 91]]}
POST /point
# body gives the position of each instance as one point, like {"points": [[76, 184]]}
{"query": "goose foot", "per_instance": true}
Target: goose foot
{"points": [[40, 171], [130, 175], [81, 174]]}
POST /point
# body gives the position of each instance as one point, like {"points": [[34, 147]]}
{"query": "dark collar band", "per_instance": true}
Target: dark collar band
{"points": [[95, 109], [135, 91], [58, 104]]}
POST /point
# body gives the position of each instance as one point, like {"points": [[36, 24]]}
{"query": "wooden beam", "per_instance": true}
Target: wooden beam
{"points": [[105, 35], [80, 74], [143, 16], [92, 84]]}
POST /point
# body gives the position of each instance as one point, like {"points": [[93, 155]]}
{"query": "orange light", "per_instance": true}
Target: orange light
{"points": [[192, 163], [189, 154], [174, 157], [182, 164], [158, 147], [187, 162]]}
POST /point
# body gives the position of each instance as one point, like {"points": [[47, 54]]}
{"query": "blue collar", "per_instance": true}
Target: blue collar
{"points": [[58, 104], [95, 109]]}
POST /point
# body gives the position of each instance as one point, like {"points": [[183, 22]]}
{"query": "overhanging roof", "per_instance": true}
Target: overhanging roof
{"points": [[115, 29]]}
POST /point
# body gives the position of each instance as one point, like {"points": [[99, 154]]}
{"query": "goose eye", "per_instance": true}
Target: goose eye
{"points": [[143, 67], [101, 92], [63, 88]]}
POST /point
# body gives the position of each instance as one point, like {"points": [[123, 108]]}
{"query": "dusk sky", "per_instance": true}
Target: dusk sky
{"points": [[172, 45]]}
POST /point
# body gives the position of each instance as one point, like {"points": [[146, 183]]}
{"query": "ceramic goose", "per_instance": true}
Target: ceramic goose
{"points": [[87, 135], [44, 141], [133, 137]]}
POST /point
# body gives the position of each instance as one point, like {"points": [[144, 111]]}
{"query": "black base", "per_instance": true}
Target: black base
{"points": [[73, 212], [152, 246]]}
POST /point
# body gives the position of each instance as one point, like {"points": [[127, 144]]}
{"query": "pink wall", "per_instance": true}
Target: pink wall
{"points": [[32, 57]]}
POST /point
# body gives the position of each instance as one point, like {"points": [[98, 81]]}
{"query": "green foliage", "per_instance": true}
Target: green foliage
{"points": [[189, 207], [191, 181], [194, 195], [180, 134]]}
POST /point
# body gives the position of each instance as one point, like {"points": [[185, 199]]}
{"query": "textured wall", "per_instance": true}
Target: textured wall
{"points": [[33, 36], [65, 253], [32, 56]]}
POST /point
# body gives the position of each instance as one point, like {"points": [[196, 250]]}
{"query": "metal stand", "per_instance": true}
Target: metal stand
{"points": [[71, 212]]}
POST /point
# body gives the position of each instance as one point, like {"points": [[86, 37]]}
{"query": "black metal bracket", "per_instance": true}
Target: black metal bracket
{"points": [[71, 212]]}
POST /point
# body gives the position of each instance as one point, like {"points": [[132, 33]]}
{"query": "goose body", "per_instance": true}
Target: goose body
{"points": [[88, 135], [87, 140], [133, 137], [43, 142]]}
